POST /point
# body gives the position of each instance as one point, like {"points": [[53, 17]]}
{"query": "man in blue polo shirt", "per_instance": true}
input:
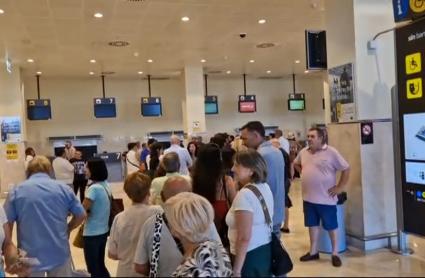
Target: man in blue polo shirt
{"points": [[253, 136], [40, 207]]}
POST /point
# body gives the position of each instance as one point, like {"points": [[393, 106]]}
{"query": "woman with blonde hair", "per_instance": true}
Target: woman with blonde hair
{"points": [[249, 233], [190, 217]]}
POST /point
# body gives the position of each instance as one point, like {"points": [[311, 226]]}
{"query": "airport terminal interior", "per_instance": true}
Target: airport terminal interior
{"points": [[106, 77]]}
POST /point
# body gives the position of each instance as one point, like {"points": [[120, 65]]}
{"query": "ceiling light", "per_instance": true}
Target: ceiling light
{"points": [[297, 61], [98, 15], [185, 19], [203, 61], [92, 61], [39, 72], [150, 61], [136, 54], [306, 71], [228, 72], [30, 60], [251, 61], [91, 73], [269, 71], [140, 72], [1, 11], [261, 21]]}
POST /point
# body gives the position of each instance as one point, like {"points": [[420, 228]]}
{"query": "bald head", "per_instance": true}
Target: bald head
{"points": [[174, 186], [175, 140]]}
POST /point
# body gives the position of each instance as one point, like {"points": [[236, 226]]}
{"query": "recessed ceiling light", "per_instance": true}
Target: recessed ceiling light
{"points": [[1, 11], [91, 73], [30, 60], [92, 61], [297, 61], [269, 71], [261, 21], [140, 72], [306, 71], [39, 72], [251, 61], [98, 15], [228, 72], [203, 61], [150, 61], [185, 19]]}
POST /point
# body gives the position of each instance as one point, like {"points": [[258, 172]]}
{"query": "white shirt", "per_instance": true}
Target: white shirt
{"points": [[3, 220], [284, 144], [64, 170], [246, 200], [125, 233], [170, 256], [132, 162], [28, 158], [184, 157]]}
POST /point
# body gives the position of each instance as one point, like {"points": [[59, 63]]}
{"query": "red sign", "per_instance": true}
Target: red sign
{"points": [[247, 106]]}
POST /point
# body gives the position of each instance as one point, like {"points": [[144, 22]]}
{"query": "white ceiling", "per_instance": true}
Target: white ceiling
{"points": [[62, 35]]}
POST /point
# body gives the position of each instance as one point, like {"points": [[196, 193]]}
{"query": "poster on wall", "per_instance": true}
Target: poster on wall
{"points": [[10, 128], [341, 89], [11, 151]]}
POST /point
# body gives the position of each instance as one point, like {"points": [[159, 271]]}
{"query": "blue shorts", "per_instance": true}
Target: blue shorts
{"points": [[316, 213]]}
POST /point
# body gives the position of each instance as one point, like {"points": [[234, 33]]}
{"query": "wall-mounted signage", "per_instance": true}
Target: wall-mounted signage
{"points": [[211, 105], [247, 104]]}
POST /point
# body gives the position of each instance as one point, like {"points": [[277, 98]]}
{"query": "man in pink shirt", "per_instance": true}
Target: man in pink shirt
{"points": [[318, 164]]}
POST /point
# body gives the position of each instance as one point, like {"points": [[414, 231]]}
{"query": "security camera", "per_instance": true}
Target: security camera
{"points": [[242, 35]]}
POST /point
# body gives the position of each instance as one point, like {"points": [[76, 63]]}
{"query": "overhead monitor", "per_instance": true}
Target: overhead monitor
{"points": [[296, 104], [151, 107], [211, 105], [105, 107], [247, 104], [39, 109]]}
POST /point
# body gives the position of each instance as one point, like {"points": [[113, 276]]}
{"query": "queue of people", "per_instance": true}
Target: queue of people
{"points": [[195, 211]]}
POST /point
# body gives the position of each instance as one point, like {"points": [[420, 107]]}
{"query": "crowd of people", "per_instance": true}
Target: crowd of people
{"points": [[194, 210]]}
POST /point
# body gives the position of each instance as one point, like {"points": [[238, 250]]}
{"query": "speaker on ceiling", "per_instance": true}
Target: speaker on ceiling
{"points": [[315, 45]]}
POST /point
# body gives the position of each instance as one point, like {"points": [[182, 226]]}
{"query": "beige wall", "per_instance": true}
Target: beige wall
{"points": [[72, 107]]}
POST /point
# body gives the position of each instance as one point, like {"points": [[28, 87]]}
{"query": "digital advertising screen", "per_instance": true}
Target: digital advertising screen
{"points": [[39, 109], [105, 108], [414, 136], [151, 107], [296, 104], [247, 104], [211, 105], [415, 172]]}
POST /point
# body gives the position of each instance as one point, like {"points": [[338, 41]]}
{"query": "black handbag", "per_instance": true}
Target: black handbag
{"points": [[281, 261]]}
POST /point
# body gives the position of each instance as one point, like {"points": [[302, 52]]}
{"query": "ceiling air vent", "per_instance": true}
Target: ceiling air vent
{"points": [[118, 43], [270, 77], [107, 72], [265, 45], [215, 72]]}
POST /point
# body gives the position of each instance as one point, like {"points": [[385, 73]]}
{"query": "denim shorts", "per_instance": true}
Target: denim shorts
{"points": [[316, 213]]}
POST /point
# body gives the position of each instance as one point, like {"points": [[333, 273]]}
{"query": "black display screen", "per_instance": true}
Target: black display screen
{"points": [[105, 108], [39, 109]]}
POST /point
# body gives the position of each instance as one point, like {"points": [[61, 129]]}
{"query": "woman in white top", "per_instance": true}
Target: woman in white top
{"points": [[249, 234], [127, 225], [29, 155]]}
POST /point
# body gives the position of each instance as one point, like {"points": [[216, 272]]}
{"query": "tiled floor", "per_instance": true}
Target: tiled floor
{"points": [[355, 263]]}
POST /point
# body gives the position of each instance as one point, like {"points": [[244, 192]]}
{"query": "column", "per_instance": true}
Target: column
{"points": [[193, 103], [371, 208], [12, 104]]}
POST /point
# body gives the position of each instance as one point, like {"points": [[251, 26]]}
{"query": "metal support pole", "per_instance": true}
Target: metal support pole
{"points": [[244, 84], [103, 86], [38, 86]]}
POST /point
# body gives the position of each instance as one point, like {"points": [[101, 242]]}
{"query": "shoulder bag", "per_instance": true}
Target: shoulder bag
{"points": [[281, 261], [117, 206]]}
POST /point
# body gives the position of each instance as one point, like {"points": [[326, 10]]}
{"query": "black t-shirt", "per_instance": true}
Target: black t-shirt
{"points": [[79, 168]]}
